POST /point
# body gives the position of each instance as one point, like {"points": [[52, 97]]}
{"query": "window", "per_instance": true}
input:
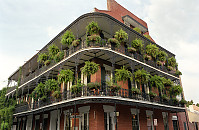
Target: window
{"points": [[108, 121], [165, 120], [83, 121], [135, 122], [149, 116], [175, 124]]}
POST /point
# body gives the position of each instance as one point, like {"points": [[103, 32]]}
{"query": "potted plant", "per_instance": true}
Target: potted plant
{"points": [[175, 90], [59, 56], [171, 64], [152, 50], [114, 41], [65, 76], [152, 95], [89, 68], [167, 83], [77, 88], [162, 56], [93, 39], [175, 101], [42, 57], [178, 73], [156, 81], [122, 74], [92, 28], [137, 30], [68, 38], [121, 36], [52, 85], [114, 87], [75, 42], [141, 76], [182, 102], [56, 94], [53, 50], [165, 98], [136, 46], [40, 92], [93, 86], [135, 91]]}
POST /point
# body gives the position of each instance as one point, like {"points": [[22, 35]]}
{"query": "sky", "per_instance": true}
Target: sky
{"points": [[28, 25]]}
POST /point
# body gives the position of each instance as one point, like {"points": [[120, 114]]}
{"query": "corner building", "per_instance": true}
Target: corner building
{"points": [[100, 109]]}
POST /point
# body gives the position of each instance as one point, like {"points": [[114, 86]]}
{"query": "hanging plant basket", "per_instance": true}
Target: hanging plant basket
{"points": [[114, 41], [93, 40], [89, 68], [76, 42]]}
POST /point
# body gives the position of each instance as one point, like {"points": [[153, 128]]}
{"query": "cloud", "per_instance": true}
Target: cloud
{"points": [[173, 25]]}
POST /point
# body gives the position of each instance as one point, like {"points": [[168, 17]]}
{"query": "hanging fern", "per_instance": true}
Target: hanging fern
{"points": [[175, 90], [152, 50], [53, 50], [121, 36], [65, 76], [137, 44], [59, 56], [92, 28], [122, 74], [52, 85], [77, 87], [141, 76], [162, 56], [114, 41], [90, 68], [42, 57], [68, 38], [156, 81], [172, 62]]}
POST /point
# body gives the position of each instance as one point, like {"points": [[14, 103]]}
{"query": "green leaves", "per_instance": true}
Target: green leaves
{"points": [[141, 76], [137, 44], [137, 30], [92, 28], [175, 90], [77, 87], [53, 50], [52, 85], [172, 62], [114, 41], [42, 57], [156, 81], [90, 68], [65, 76], [162, 56], [68, 38], [121, 36], [152, 50], [122, 74]]}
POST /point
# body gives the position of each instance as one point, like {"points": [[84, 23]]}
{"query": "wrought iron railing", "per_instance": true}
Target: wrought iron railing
{"points": [[85, 92]]}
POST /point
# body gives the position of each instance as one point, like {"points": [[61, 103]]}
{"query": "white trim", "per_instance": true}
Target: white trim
{"points": [[135, 111], [108, 108], [85, 49], [174, 118], [84, 109]]}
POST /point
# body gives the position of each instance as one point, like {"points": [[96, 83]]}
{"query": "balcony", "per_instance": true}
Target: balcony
{"points": [[121, 96]]}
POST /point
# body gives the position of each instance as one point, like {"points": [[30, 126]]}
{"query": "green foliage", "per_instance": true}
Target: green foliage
{"points": [[162, 56], [137, 44], [59, 56], [175, 101], [169, 68], [178, 72], [89, 68], [137, 30], [47, 62], [141, 76], [93, 39], [40, 91], [167, 82], [56, 94], [190, 103], [135, 91], [175, 90], [121, 36], [42, 57], [147, 57], [92, 28], [75, 42], [172, 62], [52, 85], [53, 50], [156, 81], [92, 85], [131, 50], [77, 88], [6, 110], [147, 36], [65, 76], [68, 38], [152, 50], [159, 63], [182, 101], [122, 74], [152, 94], [114, 41], [164, 97]]}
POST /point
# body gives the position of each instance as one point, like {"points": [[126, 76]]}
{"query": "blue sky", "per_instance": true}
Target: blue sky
{"points": [[28, 25]]}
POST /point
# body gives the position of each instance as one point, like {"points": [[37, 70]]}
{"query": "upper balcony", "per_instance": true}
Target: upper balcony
{"points": [[31, 70]]}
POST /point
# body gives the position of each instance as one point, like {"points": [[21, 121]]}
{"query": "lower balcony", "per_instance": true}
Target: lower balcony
{"points": [[123, 96]]}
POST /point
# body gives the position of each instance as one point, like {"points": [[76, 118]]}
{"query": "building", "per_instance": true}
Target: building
{"points": [[102, 98], [193, 114]]}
